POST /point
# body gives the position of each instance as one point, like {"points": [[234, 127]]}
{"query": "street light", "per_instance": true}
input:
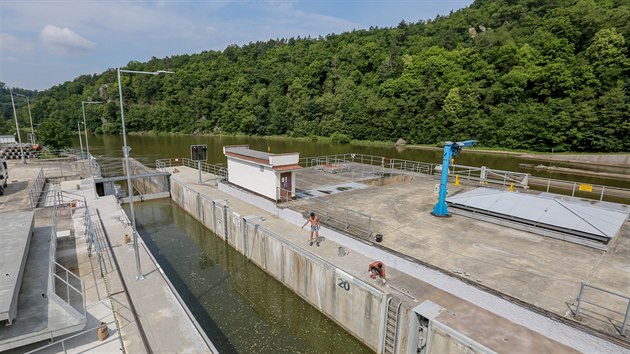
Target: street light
{"points": [[17, 127], [87, 144], [80, 142], [28, 103], [126, 149]]}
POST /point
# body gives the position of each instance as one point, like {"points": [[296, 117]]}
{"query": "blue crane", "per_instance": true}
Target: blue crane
{"points": [[450, 150]]}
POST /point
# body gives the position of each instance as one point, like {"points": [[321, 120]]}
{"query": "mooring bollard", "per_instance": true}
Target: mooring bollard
{"points": [[102, 332]]}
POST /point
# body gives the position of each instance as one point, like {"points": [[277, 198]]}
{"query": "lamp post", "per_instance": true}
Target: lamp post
{"points": [[126, 149], [87, 144], [80, 142], [17, 126], [28, 103]]}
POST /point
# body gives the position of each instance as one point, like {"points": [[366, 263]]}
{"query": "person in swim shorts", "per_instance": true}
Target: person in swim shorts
{"points": [[377, 268], [314, 220]]}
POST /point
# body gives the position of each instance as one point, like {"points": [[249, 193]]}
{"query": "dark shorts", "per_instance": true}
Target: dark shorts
{"points": [[378, 271]]}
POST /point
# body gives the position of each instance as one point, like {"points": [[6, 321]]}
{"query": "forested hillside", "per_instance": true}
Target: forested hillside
{"points": [[7, 123], [527, 74]]}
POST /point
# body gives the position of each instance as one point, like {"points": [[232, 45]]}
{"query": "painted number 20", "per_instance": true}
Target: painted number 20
{"points": [[344, 285]]}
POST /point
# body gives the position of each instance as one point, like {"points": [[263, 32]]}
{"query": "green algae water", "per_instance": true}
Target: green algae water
{"points": [[241, 308]]}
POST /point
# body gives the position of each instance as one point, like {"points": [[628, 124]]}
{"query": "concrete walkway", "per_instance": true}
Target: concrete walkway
{"points": [[166, 324]]}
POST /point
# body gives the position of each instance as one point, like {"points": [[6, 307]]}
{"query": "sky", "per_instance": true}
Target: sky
{"points": [[44, 43]]}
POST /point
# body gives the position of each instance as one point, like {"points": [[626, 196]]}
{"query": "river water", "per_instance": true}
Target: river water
{"points": [[147, 149], [240, 307]]}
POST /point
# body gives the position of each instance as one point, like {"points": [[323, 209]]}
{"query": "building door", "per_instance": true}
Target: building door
{"points": [[285, 186]]}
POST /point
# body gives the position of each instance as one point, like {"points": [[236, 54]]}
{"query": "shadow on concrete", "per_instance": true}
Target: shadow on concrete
{"points": [[15, 187]]}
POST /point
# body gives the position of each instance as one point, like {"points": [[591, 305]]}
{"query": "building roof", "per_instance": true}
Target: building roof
{"points": [[248, 158], [279, 162], [247, 152]]}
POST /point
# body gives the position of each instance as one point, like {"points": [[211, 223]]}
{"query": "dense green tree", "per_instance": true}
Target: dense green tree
{"points": [[525, 74], [54, 134]]}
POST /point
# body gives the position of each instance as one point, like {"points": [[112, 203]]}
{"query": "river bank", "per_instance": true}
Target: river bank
{"points": [[596, 158]]}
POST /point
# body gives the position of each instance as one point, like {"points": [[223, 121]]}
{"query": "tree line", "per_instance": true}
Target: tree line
{"points": [[520, 74]]}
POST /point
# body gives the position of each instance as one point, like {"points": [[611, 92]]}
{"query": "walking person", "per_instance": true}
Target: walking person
{"points": [[314, 220]]}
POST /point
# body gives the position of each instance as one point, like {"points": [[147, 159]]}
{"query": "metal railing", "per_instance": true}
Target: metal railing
{"points": [[622, 330], [93, 237], [37, 189], [62, 342], [217, 170], [47, 154], [482, 175], [485, 175], [393, 164], [72, 284], [332, 214], [592, 191]]}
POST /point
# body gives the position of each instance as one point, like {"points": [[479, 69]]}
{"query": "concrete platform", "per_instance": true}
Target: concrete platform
{"points": [[163, 320], [39, 318], [541, 272], [39, 315], [21, 180], [15, 237], [534, 273]]}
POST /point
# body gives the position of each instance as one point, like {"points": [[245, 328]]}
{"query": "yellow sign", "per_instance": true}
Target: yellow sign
{"points": [[586, 187]]}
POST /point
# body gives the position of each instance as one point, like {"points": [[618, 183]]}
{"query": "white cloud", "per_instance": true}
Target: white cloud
{"points": [[64, 41], [9, 43]]}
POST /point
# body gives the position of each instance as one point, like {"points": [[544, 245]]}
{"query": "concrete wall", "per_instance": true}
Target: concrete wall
{"points": [[149, 185], [249, 176], [355, 305]]}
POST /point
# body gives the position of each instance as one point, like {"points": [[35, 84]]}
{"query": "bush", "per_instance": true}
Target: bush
{"points": [[340, 138], [54, 134]]}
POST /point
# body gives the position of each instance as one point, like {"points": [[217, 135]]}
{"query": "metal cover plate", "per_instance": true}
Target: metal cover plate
{"points": [[545, 209]]}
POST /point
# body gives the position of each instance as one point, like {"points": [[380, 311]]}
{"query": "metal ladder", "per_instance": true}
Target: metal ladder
{"points": [[393, 307]]}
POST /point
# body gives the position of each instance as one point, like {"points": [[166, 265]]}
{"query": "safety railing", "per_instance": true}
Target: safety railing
{"points": [[61, 281], [93, 237], [394, 164], [332, 214], [64, 340], [217, 170], [57, 171], [588, 190], [485, 175], [36, 190], [481, 175], [580, 300], [93, 167]]}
